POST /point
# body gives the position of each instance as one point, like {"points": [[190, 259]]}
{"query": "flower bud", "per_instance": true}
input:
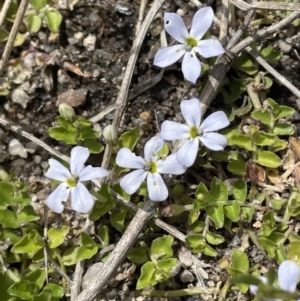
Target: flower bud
{"points": [[110, 135], [67, 112]]}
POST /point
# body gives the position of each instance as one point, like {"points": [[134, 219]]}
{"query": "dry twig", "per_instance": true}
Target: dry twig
{"points": [[13, 33], [269, 5], [3, 11]]}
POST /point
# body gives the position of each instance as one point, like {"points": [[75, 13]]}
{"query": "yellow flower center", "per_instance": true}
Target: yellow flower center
{"points": [[72, 182], [152, 167], [193, 132], [191, 42]]}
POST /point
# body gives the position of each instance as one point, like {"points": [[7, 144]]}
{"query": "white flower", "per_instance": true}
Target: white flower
{"points": [[191, 43], [149, 167], [195, 131], [288, 275], [81, 200]]}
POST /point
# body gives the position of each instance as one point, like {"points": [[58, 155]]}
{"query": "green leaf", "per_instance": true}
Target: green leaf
{"points": [[38, 4], [239, 190], [104, 236], [27, 215], [94, 146], [37, 276], [275, 107], [216, 213], [117, 219], [129, 139], [88, 247], [23, 289], [245, 63], [236, 88], [43, 296], [167, 264], [209, 251], [7, 279], [53, 20], [138, 255], [270, 54], [264, 139], [233, 211], [285, 111], [293, 251], [12, 11], [245, 109], [34, 23], [6, 195], [31, 242], [70, 256], [19, 40], [61, 134], [8, 219], [242, 141], [219, 190], [193, 215], [247, 213], [263, 116], [196, 242], [268, 159], [214, 239], [147, 277], [57, 291], [283, 129], [162, 247], [3, 35], [239, 261], [57, 236], [237, 167]]}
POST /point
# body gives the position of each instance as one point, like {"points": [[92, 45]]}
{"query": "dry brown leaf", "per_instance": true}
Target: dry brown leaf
{"points": [[74, 98]]}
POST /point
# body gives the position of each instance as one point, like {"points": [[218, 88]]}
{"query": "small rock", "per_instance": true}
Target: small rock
{"points": [[74, 98], [187, 276], [15, 148], [284, 47], [89, 42]]}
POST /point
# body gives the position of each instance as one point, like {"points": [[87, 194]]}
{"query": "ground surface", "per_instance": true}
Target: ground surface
{"points": [[68, 63]]}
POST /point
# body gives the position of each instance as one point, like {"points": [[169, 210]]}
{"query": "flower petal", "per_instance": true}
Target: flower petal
{"points": [[202, 20], [191, 67], [57, 171], [171, 130], [214, 141], [157, 189], [81, 199], [175, 27], [79, 155], [214, 122], [59, 195], [209, 48], [191, 111], [168, 55], [152, 147], [253, 288], [170, 166], [126, 158], [187, 153], [90, 173], [131, 182], [288, 274]]}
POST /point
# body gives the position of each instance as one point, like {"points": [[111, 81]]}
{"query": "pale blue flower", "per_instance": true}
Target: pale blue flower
{"points": [[194, 131], [190, 43], [150, 167], [288, 276], [81, 200]]}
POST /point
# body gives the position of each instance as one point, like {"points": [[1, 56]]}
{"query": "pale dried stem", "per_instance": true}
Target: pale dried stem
{"points": [[3, 11], [224, 22], [143, 6], [13, 33], [268, 5]]}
